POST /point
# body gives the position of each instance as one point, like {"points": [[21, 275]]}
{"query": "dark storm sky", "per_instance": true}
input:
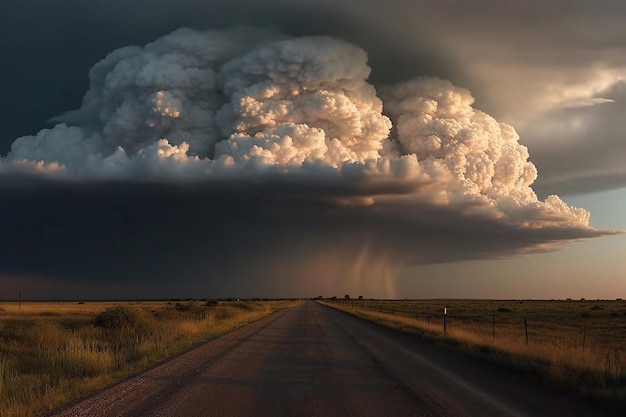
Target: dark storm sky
{"points": [[112, 240]]}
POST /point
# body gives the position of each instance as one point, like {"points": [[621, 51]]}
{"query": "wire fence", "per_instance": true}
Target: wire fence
{"points": [[582, 324]]}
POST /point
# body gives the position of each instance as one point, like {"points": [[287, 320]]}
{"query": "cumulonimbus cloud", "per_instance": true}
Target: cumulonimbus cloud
{"points": [[411, 170]]}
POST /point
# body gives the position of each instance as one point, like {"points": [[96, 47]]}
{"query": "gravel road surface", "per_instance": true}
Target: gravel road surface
{"points": [[314, 361]]}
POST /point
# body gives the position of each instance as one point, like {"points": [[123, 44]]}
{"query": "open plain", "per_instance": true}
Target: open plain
{"points": [[315, 361]]}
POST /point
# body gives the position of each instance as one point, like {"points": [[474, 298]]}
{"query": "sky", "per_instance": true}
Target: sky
{"points": [[411, 149]]}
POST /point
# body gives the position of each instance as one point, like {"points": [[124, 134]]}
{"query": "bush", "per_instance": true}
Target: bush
{"points": [[189, 305], [118, 317], [211, 303], [504, 310]]}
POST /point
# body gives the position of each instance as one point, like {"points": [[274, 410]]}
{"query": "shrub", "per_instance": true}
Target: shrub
{"points": [[189, 305], [118, 317], [211, 303], [504, 310]]}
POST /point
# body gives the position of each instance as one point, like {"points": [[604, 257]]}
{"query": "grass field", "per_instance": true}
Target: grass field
{"points": [[52, 353], [571, 344]]}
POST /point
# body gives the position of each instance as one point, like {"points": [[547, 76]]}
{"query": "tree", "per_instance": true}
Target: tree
{"points": [[347, 296]]}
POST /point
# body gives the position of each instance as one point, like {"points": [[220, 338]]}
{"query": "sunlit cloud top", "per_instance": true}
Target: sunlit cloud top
{"points": [[202, 105]]}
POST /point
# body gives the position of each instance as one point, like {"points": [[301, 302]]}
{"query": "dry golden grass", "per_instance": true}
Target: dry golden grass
{"points": [[572, 344], [52, 353]]}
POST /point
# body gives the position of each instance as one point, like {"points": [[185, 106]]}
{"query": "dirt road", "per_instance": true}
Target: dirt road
{"points": [[315, 361]]}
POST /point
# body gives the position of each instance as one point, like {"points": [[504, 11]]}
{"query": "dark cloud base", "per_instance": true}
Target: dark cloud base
{"points": [[150, 240], [120, 240]]}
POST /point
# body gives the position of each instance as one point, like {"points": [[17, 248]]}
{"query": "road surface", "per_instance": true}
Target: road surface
{"points": [[315, 361]]}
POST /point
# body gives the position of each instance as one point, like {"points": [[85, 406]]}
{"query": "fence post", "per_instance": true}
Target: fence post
{"points": [[526, 329], [445, 327]]}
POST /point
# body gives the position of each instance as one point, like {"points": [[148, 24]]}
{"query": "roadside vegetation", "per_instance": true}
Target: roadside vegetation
{"points": [[53, 353], [578, 345]]}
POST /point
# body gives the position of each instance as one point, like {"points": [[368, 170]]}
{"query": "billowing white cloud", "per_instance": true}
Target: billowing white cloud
{"points": [[298, 113]]}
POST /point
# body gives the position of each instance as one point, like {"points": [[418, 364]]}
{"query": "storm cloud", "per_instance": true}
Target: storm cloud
{"points": [[245, 160], [523, 61]]}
